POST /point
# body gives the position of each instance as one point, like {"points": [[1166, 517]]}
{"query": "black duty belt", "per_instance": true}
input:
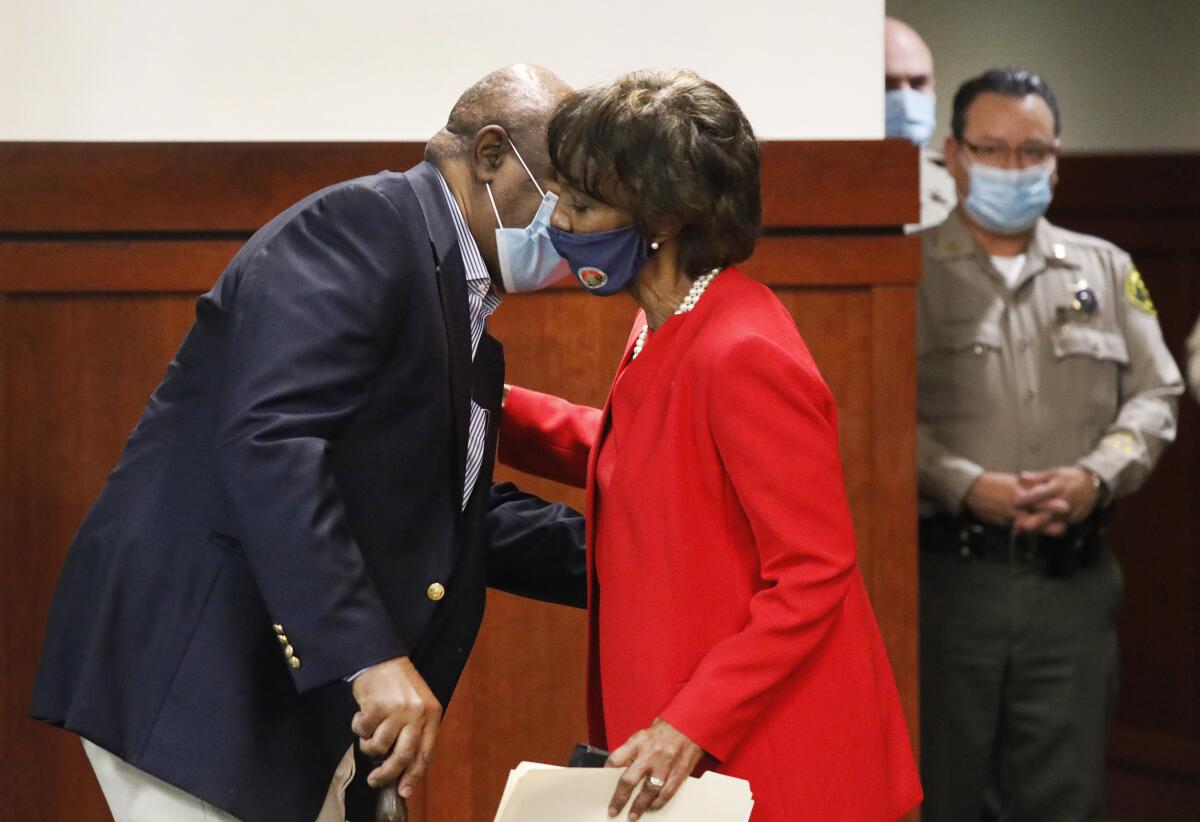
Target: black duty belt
{"points": [[969, 538]]}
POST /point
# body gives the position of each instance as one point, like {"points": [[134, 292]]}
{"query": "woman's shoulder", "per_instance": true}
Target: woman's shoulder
{"points": [[739, 287], [745, 314], [749, 345]]}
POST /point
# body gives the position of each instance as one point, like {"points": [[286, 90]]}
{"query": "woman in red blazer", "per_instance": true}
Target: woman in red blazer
{"points": [[729, 625]]}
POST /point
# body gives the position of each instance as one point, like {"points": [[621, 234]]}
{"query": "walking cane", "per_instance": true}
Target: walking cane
{"points": [[390, 807]]}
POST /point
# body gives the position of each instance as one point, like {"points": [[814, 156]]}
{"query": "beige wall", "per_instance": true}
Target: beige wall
{"points": [[389, 69], [1126, 73]]}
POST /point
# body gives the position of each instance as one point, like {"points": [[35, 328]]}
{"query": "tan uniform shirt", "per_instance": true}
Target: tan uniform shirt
{"points": [[1193, 361], [1022, 379], [938, 193]]}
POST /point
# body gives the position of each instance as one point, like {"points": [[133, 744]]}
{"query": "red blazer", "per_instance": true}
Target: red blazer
{"points": [[742, 616]]}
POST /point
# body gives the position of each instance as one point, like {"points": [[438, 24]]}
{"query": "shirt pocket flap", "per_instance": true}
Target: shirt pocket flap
{"points": [[1071, 341], [977, 337]]}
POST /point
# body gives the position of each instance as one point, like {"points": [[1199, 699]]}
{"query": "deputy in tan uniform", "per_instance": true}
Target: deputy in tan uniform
{"points": [[910, 107], [1045, 392]]}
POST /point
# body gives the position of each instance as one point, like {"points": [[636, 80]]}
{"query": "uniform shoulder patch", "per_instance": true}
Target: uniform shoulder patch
{"points": [[1137, 293]]}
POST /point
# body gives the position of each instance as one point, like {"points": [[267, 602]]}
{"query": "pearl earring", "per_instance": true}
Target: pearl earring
{"points": [[654, 246]]}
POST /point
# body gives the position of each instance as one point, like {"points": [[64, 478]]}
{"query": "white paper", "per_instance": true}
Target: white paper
{"points": [[545, 793]]}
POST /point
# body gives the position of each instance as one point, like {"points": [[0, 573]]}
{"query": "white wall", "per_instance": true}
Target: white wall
{"points": [[1126, 72], [389, 70]]}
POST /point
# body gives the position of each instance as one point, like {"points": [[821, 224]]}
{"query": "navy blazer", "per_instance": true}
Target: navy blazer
{"points": [[288, 510]]}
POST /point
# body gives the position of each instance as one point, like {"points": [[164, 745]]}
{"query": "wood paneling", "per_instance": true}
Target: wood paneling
{"points": [[76, 373], [1150, 206], [103, 248], [189, 265], [207, 187], [892, 576], [1132, 185], [129, 266], [819, 184], [197, 187], [831, 260]]}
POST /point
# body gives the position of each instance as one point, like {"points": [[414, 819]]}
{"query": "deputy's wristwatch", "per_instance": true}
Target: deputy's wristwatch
{"points": [[1103, 495]]}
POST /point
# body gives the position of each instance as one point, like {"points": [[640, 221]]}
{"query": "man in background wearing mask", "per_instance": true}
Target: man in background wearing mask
{"points": [[291, 555], [1045, 391], [910, 108]]}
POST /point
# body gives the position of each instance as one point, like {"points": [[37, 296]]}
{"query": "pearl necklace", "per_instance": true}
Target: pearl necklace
{"points": [[689, 302]]}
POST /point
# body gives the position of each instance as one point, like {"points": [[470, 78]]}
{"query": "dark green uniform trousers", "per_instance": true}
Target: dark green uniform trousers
{"points": [[1018, 681]]}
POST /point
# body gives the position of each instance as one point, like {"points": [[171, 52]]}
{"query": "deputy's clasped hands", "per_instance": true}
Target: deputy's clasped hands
{"points": [[1040, 502]]}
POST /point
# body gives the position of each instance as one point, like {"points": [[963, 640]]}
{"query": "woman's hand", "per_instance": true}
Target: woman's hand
{"points": [[658, 758]]}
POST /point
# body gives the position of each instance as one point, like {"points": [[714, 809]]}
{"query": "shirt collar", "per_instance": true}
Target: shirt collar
{"points": [[1047, 244], [478, 278], [953, 240]]}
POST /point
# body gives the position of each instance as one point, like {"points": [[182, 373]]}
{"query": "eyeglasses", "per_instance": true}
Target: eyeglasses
{"points": [[998, 154]]}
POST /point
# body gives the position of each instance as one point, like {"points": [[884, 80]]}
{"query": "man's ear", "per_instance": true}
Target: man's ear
{"points": [[487, 152], [950, 154]]}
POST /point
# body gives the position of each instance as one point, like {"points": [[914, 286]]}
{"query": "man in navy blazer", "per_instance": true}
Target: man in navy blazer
{"points": [[298, 535]]}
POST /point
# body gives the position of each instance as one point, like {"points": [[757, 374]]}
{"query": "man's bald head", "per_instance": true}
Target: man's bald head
{"points": [[519, 98], [907, 61], [511, 107]]}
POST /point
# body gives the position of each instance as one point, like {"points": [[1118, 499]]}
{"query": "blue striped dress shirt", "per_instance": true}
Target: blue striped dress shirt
{"points": [[482, 300]]}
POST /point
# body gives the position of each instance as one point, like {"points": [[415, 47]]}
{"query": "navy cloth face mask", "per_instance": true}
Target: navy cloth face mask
{"points": [[604, 262]]}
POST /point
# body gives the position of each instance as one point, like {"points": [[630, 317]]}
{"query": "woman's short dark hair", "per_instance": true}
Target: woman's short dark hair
{"points": [[1009, 82], [667, 146]]}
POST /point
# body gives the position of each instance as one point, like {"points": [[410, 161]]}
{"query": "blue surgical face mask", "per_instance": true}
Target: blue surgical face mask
{"points": [[1009, 201], [528, 261], [604, 262], [910, 115]]}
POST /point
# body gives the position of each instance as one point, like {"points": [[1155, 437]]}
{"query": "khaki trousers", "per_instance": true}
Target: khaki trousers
{"points": [[136, 796]]}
